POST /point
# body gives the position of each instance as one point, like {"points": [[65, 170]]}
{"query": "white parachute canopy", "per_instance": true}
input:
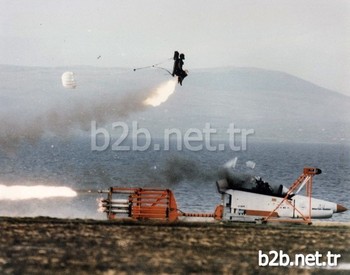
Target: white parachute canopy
{"points": [[68, 80]]}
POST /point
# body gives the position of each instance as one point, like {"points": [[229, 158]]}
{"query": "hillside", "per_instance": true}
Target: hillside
{"points": [[276, 105]]}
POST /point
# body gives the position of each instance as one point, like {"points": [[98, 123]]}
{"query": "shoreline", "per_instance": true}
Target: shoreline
{"points": [[77, 246]]}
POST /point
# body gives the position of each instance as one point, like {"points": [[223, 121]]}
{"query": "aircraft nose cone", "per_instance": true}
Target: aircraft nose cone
{"points": [[340, 208]]}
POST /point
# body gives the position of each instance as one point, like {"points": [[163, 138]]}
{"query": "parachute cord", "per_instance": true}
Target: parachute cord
{"points": [[155, 65], [165, 61]]}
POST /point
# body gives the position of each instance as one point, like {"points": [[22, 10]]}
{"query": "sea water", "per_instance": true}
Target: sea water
{"points": [[190, 174]]}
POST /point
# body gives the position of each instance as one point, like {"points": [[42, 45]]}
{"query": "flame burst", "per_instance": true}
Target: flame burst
{"points": [[22, 192], [161, 94]]}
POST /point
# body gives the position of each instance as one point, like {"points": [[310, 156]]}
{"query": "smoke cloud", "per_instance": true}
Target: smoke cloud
{"points": [[63, 120], [239, 180], [176, 169]]}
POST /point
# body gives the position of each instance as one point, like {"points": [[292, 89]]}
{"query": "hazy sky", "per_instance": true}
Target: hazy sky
{"points": [[309, 39]]}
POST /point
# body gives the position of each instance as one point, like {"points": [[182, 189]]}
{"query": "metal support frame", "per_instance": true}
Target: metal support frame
{"points": [[140, 204], [305, 179], [144, 204]]}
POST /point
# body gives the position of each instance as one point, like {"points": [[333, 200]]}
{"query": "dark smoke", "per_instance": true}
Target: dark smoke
{"points": [[246, 181], [235, 179], [177, 169]]}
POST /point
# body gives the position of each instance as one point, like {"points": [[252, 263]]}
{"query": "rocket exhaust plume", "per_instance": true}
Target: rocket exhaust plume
{"points": [[22, 192], [161, 94]]}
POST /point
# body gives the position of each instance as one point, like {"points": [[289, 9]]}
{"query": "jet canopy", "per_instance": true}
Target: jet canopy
{"points": [[249, 183]]}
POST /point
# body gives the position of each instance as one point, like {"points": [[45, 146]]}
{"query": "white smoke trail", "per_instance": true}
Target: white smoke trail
{"points": [[22, 192], [161, 94], [54, 112]]}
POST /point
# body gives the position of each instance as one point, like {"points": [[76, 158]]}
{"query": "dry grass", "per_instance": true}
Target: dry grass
{"points": [[60, 246]]}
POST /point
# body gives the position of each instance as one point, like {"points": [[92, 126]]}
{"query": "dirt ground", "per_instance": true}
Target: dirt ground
{"points": [[62, 246]]}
